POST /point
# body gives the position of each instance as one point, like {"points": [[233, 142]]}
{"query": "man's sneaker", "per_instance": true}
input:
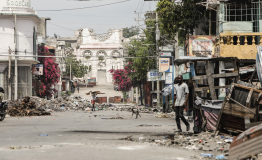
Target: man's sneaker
{"points": [[188, 127], [179, 130]]}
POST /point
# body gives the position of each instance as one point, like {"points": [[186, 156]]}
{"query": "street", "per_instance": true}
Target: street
{"points": [[108, 89], [76, 135]]}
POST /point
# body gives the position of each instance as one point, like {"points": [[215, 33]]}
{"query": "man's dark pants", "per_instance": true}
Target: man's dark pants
{"points": [[179, 114]]}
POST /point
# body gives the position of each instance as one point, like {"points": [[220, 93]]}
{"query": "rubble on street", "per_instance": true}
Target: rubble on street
{"points": [[205, 142], [25, 108]]}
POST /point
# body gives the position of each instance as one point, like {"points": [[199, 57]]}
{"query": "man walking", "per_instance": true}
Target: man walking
{"points": [[93, 101], [181, 94], [78, 88]]}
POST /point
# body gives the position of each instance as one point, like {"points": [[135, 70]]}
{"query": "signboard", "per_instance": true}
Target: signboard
{"points": [[202, 46], [164, 64], [15, 3], [171, 69], [165, 54], [37, 69], [169, 78], [154, 75]]}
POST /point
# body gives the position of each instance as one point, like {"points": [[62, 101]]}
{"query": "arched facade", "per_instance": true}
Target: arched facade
{"points": [[105, 53]]}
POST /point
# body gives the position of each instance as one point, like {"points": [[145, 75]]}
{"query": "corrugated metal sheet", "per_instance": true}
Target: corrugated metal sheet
{"points": [[247, 144]]}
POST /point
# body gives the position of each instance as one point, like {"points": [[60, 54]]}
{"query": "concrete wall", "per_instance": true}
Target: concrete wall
{"points": [[112, 37], [25, 29], [25, 46], [237, 27]]}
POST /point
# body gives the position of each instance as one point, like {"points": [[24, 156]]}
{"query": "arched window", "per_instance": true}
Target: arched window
{"points": [[87, 54]]}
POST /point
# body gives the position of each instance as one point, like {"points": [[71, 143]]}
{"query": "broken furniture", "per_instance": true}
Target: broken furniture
{"points": [[204, 81], [241, 108]]}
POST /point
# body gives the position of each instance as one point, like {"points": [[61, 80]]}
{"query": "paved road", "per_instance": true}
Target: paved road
{"points": [[77, 136]]}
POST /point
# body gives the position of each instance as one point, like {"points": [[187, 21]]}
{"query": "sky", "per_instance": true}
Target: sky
{"points": [[102, 18]]}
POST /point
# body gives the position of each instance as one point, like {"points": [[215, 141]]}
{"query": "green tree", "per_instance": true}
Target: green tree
{"points": [[181, 18], [141, 64], [129, 32], [78, 69]]}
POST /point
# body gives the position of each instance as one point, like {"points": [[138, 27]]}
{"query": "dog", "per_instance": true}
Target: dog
{"points": [[136, 111]]}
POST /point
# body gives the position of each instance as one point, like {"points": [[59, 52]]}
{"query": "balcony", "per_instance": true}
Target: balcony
{"points": [[240, 45]]}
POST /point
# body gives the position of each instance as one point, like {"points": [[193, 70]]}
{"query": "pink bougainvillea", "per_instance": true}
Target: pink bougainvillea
{"points": [[43, 84], [120, 77]]}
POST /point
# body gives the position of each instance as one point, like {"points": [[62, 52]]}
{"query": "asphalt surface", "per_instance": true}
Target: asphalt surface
{"points": [[81, 135]]}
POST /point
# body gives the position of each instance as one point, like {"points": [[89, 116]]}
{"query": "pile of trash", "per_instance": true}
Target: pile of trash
{"points": [[62, 103], [25, 108], [205, 142]]}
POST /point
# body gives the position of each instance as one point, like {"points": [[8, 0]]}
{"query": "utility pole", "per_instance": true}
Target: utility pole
{"points": [[157, 53], [9, 76], [136, 95], [70, 69], [16, 77]]}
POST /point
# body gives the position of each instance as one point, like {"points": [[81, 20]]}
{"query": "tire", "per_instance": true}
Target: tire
{"points": [[2, 117]]}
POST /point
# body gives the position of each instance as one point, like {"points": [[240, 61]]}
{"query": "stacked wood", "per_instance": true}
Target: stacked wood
{"points": [[25, 108]]}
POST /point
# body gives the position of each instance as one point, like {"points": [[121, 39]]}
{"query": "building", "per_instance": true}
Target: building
{"points": [[18, 30], [101, 52], [234, 31]]}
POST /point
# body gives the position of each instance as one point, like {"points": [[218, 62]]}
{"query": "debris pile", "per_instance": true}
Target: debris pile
{"points": [[25, 108], [203, 142]]}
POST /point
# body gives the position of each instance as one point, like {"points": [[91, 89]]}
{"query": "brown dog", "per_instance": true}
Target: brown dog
{"points": [[135, 111]]}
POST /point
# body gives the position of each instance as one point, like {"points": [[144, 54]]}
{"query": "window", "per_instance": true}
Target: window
{"points": [[244, 11]]}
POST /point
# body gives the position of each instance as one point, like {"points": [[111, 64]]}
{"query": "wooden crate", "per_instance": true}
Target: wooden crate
{"points": [[117, 99], [240, 108], [111, 99], [104, 99]]}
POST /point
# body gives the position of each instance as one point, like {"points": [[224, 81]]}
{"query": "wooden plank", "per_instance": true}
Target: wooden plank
{"points": [[235, 110], [248, 98], [232, 122], [222, 109], [199, 77], [247, 126], [252, 76], [236, 69], [231, 90], [248, 88], [224, 75], [210, 81], [207, 88], [242, 105]]}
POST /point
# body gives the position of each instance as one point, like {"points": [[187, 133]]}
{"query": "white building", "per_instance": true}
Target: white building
{"points": [[18, 28], [101, 52]]}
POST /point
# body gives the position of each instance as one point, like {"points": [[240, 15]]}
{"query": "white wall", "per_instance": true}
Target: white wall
{"points": [[93, 44], [114, 38], [110, 61], [16, 6], [25, 29]]}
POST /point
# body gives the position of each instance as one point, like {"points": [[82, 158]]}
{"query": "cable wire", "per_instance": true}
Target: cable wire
{"points": [[70, 9]]}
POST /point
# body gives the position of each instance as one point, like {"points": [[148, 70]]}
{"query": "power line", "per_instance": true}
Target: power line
{"points": [[69, 9], [92, 24], [138, 5], [61, 26], [91, 15]]}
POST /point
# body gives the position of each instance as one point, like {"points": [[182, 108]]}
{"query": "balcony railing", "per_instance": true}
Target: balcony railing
{"points": [[240, 45]]}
